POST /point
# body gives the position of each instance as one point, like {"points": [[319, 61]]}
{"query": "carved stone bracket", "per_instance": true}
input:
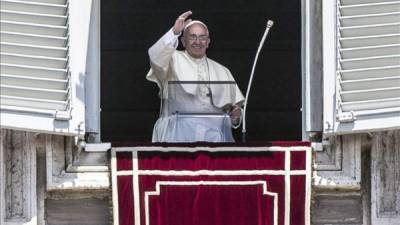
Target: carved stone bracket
{"points": [[338, 166], [330, 158], [68, 168]]}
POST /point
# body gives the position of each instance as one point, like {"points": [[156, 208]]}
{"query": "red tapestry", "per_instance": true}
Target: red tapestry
{"points": [[226, 185]]}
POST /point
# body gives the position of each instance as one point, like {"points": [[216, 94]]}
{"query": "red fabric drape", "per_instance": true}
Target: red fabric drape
{"points": [[298, 161], [217, 205], [211, 160], [198, 197], [125, 200], [297, 200], [207, 199], [124, 161]]}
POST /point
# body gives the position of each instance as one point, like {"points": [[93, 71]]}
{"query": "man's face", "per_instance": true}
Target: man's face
{"points": [[196, 40]]}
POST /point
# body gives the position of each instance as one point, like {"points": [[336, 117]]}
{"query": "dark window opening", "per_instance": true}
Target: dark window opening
{"points": [[130, 104]]}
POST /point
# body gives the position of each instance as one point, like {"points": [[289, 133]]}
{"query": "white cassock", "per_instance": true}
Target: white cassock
{"points": [[169, 64]]}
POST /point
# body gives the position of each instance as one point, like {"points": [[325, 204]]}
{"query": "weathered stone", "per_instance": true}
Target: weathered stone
{"points": [[337, 208], [84, 211], [385, 178], [339, 164], [18, 183]]}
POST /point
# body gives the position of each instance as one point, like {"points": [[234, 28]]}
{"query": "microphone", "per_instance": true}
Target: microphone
{"points": [[270, 23]]}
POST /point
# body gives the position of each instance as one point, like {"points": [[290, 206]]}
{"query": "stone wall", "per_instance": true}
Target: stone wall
{"points": [[357, 180], [46, 180]]}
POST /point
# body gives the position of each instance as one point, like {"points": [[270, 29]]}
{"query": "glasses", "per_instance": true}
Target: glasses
{"points": [[193, 37]]}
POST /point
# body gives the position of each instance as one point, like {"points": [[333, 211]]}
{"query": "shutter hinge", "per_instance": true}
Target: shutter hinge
{"points": [[346, 117], [62, 115]]}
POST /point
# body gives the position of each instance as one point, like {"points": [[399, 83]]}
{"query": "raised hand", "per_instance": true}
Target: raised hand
{"points": [[181, 22]]}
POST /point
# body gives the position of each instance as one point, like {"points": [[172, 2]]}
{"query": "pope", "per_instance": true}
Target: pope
{"points": [[170, 65]]}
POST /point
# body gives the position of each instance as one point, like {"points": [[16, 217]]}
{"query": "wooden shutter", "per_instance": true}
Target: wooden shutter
{"points": [[34, 56], [44, 45], [367, 77]]}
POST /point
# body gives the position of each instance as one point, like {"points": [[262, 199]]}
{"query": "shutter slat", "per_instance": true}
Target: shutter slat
{"points": [[38, 93], [33, 71], [370, 30], [376, 83], [33, 103], [372, 94], [33, 18], [358, 2], [57, 2], [370, 8], [370, 62], [366, 73], [23, 49], [33, 7], [34, 82], [363, 20], [371, 104], [30, 28], [29, 60], [353, 42], [370, 51], [30, 39]]}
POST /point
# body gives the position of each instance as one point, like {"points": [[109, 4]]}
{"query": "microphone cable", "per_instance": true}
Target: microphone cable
{"points": [[270, 23]]}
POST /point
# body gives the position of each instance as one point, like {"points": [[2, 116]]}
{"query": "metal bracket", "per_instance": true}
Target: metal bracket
{"points": [[346, 117], [63, 115], [319, 146]]}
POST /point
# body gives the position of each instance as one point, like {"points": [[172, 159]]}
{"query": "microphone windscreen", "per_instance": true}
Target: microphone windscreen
{"points": [[270, 23]]}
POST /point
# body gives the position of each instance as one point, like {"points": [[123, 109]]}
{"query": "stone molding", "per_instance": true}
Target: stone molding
{"points": [[338, 165]]}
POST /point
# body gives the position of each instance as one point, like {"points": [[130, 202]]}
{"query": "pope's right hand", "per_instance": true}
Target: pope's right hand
{"points": [[181, 22]]}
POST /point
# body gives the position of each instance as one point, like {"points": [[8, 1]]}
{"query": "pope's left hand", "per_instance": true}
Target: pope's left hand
{"points": [[235, 114]]}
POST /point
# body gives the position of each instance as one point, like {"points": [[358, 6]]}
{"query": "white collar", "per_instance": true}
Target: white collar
{"points": [[196, 60]]}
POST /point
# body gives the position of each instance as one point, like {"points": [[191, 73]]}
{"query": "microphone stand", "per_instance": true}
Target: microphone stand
{"points": [[270, 23]]}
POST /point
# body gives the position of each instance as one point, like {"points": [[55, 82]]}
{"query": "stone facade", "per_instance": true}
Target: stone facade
{"points": [[357, 180], [45, 179]]}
